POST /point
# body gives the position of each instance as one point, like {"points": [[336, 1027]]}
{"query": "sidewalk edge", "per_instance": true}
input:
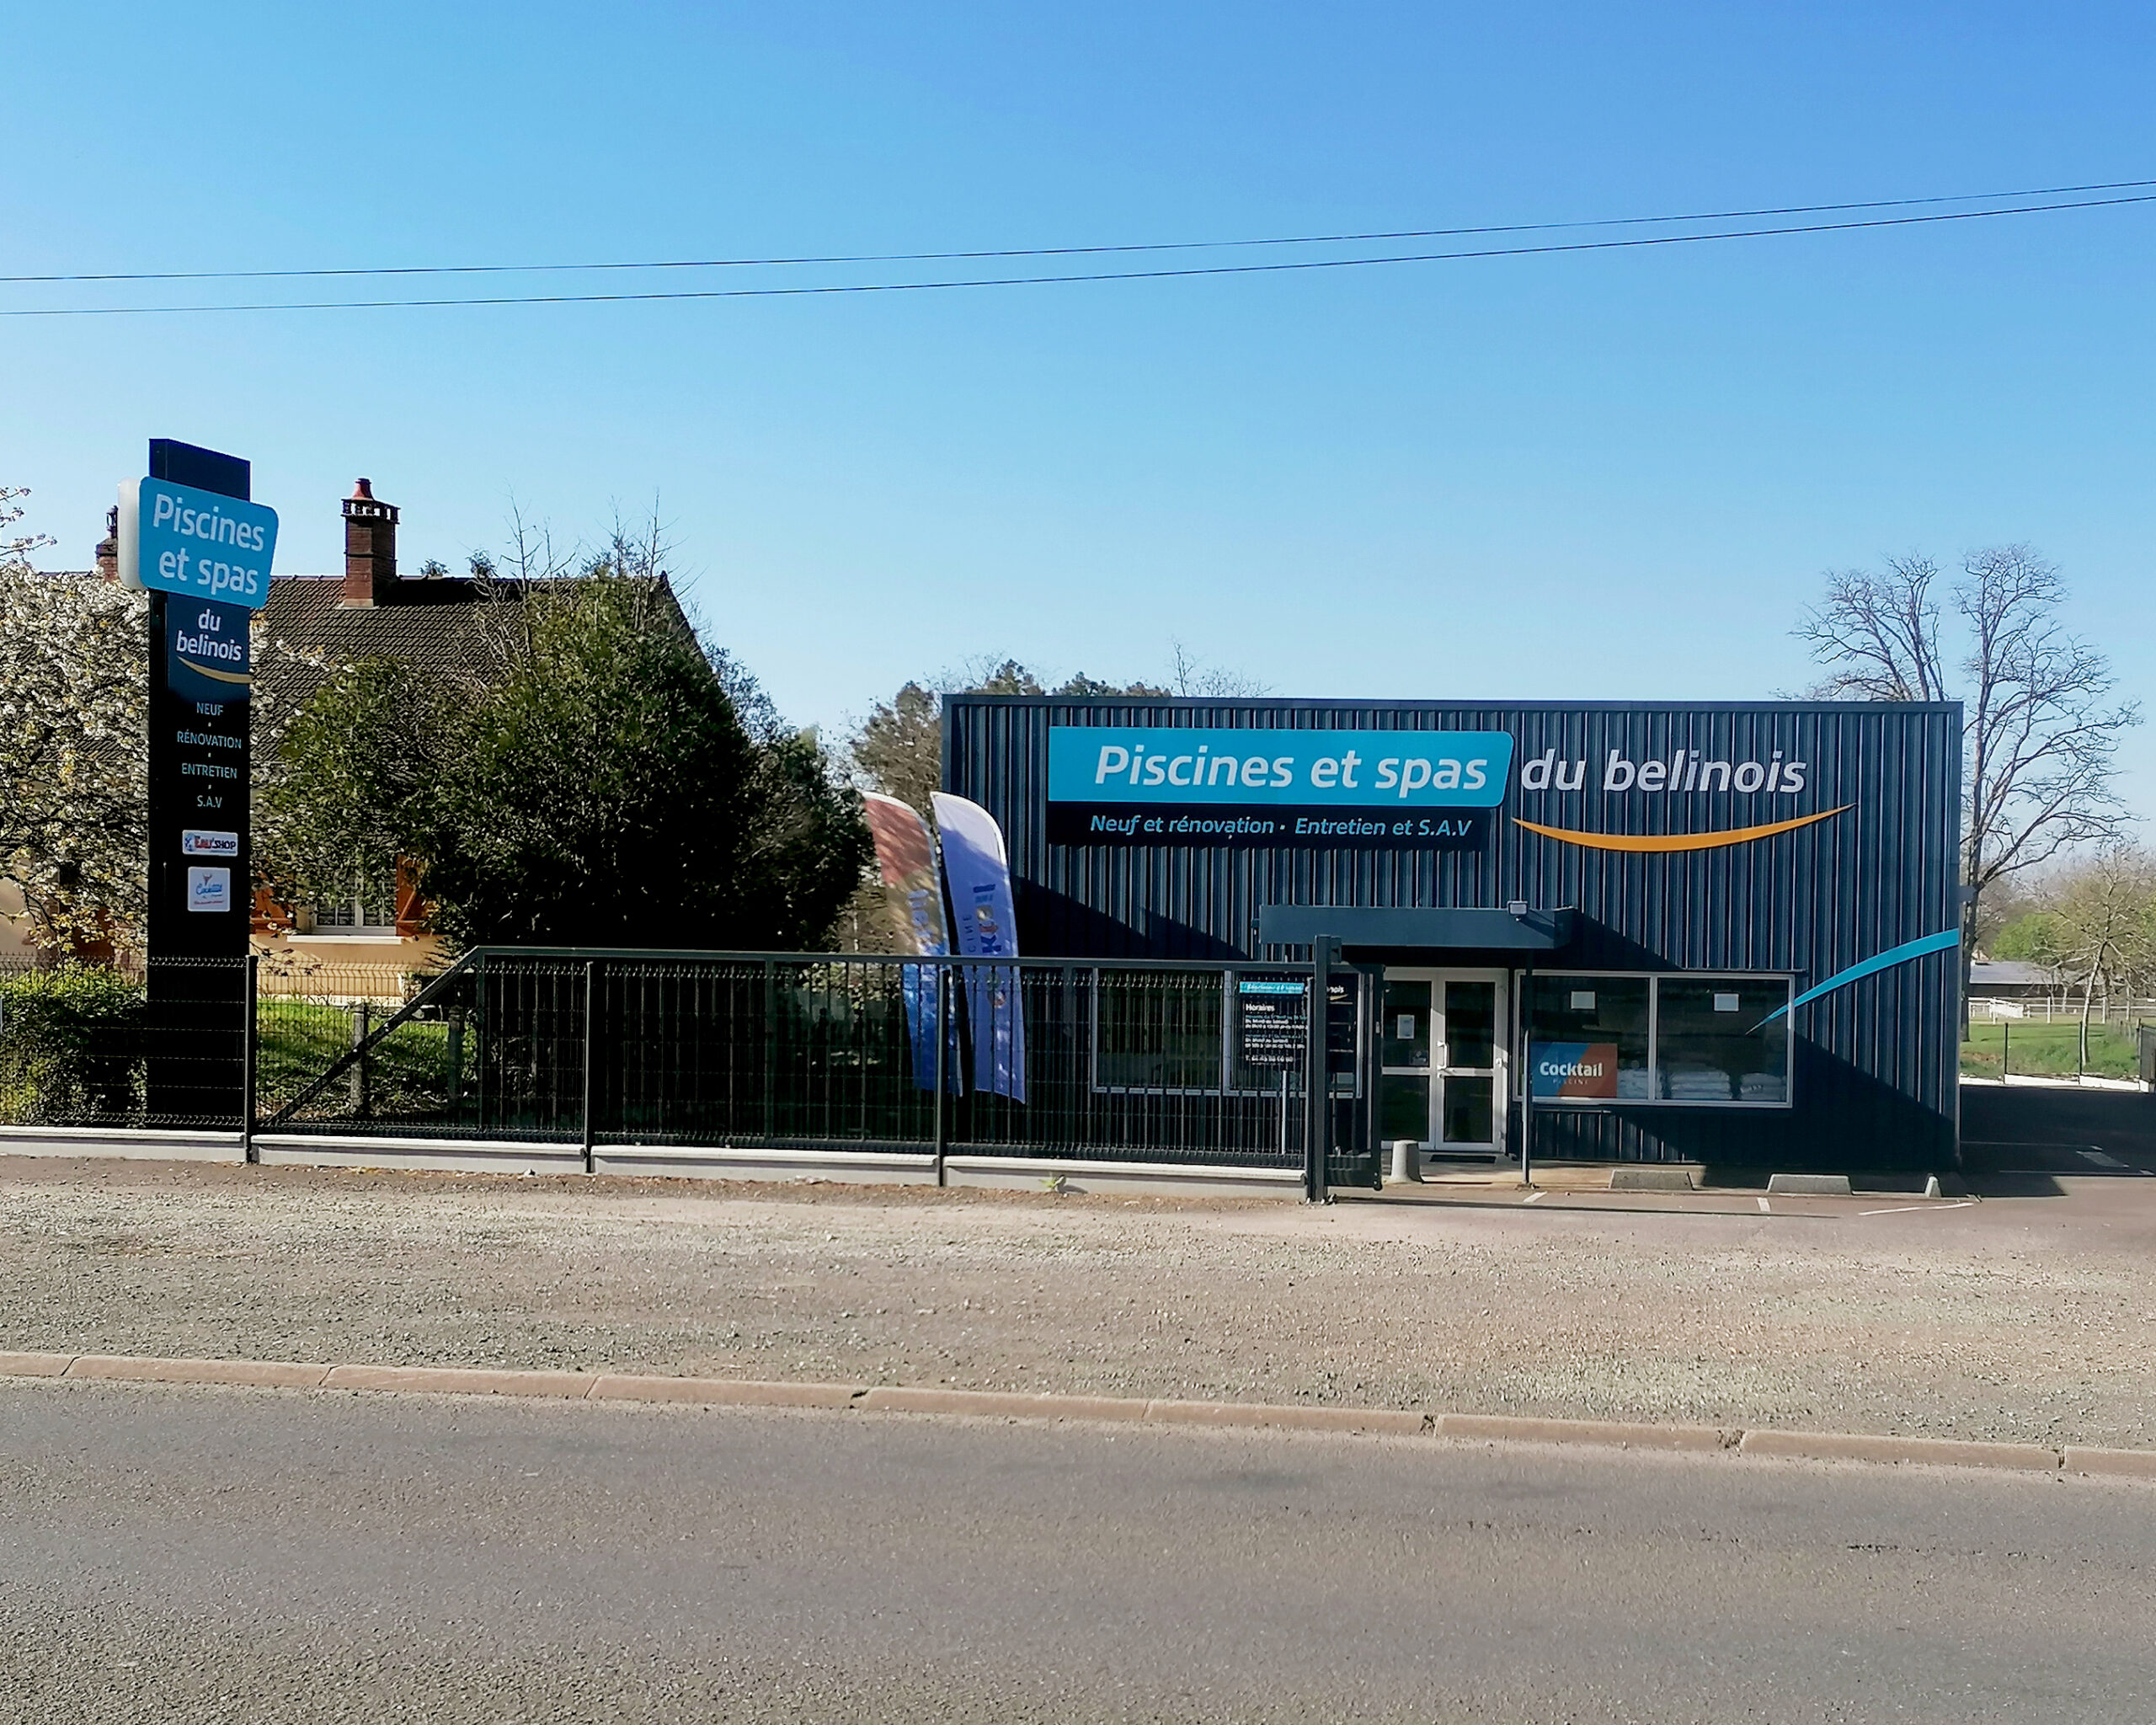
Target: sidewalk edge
{"points": [[1877, 1449]]}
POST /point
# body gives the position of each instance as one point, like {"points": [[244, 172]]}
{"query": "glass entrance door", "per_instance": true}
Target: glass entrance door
{"points": [[1466, 1061], [1442, 1062]]}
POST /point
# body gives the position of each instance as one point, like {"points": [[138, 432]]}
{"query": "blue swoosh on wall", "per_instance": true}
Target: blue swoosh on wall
{"points": [[1884, 961]]}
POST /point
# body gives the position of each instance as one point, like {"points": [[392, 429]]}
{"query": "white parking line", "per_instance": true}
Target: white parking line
{"points": [[1535, 1198], [1902, 1208], [2101, 1159]]}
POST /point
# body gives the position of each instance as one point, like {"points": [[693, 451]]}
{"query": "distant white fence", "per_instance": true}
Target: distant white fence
{"points": [[1984, 1009]]}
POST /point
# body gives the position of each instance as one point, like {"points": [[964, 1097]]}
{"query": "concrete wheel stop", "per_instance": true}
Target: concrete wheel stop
{"points": [[1651, 1177], [1809, 1185]]}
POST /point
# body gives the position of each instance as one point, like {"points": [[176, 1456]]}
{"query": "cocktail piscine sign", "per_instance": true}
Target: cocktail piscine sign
{"points": [[1159, 785]]}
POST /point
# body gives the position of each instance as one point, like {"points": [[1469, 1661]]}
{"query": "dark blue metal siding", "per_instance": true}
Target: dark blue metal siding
{"points": [[1876, 1080]]}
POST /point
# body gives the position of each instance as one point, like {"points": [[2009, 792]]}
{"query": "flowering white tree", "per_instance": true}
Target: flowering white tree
{"points": [[74, 746], [73, 768]]}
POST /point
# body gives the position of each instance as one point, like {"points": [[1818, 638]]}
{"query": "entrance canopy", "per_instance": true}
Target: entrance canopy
{"points": [[1373, 931]]}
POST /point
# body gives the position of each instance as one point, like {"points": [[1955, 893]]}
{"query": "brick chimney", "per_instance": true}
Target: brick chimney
{"points": [[370, 547], [107, 551]]}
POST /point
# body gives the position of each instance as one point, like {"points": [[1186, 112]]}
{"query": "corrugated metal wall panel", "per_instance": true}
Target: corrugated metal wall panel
{"points": [[1875, 1082]]}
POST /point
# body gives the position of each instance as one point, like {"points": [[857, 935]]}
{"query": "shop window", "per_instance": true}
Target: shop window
{"points": [[1592, 1038], [1714, 1041], [1686, 1039]]}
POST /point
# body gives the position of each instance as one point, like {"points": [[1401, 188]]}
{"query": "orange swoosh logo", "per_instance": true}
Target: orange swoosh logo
{"points": [[1678, 841], [212, 672]]}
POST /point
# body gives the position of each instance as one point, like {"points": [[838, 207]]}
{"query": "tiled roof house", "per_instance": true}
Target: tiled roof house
{"points": [[369, 611]]}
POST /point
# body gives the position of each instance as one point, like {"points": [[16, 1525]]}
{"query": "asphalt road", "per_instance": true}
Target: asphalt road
{"points": [[220, 1555]]}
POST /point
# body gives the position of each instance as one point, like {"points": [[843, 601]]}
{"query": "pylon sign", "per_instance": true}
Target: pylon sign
{"points": [[190, 535]]}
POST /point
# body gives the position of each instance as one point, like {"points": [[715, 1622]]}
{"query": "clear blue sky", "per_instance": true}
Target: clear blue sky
{"points": [[1610, 475]]}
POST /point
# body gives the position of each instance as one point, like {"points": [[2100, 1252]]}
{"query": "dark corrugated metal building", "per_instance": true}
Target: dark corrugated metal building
{"points": [[1663, 903]]}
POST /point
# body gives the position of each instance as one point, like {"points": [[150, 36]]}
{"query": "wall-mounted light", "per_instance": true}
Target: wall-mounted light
{"points": [[1517, 908]]}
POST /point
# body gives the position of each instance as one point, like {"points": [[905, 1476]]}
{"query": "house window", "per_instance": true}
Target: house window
{"points": [[356, 915], [1689, 1039]]}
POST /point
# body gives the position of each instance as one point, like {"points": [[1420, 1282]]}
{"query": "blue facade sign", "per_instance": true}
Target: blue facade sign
{"points": [[176, 538], [1162, 785]]}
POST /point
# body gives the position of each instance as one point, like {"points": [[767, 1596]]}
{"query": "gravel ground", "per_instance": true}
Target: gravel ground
{"points": [[2030, 1320]]}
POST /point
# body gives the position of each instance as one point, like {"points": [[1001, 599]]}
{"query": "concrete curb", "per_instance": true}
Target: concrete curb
{"points": [[254, 1374], [1505, 1429], [1936, 1452], [992, 1404], [2125, 1463], [460, 1380], [719, 1392], [1289, 1418], [35, 1365]]}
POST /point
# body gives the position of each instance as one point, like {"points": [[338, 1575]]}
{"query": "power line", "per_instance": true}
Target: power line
{"points": [[1195, 245], [865, 287]]}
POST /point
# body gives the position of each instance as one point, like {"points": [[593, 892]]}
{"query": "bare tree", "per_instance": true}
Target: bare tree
{"points": [[2038, 736], [1193, 677]]}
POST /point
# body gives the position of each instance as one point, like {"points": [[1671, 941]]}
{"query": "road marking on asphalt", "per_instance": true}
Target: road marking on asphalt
{"points": [[2101, 1159], [1764, 1208], [1901, 1209], [1535, 1198]]}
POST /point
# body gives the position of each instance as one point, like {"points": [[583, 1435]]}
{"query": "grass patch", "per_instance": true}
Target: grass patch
{"points": [[407, 1071], [2035, 1050]]}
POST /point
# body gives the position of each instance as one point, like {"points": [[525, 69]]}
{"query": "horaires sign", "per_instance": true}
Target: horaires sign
{"points": [[1160, 785]]}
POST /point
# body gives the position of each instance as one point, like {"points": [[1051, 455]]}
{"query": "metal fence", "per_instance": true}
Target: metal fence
{"points": [[2057, 1009], [1132, 1062], [1135, 1061], [164, 1044]]}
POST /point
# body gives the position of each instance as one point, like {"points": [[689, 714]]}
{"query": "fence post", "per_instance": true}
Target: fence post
{"points": [[772, 1045], [942, 1044], [591, 1024], [1527, 1075], [249, 1048], [362, 1021], [1317, 1131]]}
